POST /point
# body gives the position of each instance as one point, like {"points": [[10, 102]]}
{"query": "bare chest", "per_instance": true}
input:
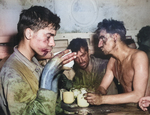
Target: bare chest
{"points": [[124, 73]]}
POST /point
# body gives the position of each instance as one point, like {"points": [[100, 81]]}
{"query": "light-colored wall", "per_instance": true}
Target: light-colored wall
{"points": [[78, 16]]}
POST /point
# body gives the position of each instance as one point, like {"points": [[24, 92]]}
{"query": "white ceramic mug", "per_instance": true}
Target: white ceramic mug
{"points": [[80, 99], [68, 97]]}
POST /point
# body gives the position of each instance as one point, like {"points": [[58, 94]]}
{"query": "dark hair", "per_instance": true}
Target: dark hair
{"points": [[36, 18], [112, 26], [78, 43], [143, 35], [129, 41]]}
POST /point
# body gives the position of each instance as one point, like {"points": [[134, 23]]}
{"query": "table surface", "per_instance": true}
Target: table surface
{"points": [[123, 109]]}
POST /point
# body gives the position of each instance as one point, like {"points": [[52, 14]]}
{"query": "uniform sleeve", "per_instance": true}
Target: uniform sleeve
{"points": [[44, 104], [20, 99]]}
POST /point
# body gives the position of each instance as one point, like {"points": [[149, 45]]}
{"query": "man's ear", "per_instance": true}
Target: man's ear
{"points": [[28, 33], [115, 36]]}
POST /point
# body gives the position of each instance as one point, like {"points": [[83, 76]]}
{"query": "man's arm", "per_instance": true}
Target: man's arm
{"points": [[108, 77], [140, 78], [20, 87], [140, 67]]}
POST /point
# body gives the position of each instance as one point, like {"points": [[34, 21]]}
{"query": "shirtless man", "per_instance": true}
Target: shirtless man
{"points": [[125, 64]]}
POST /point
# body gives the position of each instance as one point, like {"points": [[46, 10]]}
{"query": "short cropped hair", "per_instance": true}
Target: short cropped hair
{"points": [[36, 18], [143, 35], [112, 26], [129, 41], [78, 43]]}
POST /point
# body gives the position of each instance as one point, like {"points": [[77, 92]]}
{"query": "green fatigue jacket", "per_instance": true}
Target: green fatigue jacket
{"points": [[91, 80], [19, 88]]}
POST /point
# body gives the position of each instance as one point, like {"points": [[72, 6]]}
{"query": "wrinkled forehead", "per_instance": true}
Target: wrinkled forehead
{"points": [[103, 34], [82, 50], [51, 27]]}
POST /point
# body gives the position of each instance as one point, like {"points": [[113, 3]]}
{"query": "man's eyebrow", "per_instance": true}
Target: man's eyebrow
{"points": [[51, 34], [83, 53], [100, 37]]}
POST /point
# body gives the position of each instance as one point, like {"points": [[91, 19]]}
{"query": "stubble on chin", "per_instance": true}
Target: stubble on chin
{"points": [[105, 52]]}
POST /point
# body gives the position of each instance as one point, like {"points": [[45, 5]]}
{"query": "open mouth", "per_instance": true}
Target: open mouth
{"points": [[46, 52]]}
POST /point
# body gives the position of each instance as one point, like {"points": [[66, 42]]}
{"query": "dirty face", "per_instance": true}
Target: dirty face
{"points": [[42, 41], [106, 42], [82, 59]]}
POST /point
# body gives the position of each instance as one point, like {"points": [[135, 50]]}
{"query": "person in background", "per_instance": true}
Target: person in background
{"points": [[26, 88], [131, 43], [143, 38], [89, 70], [125, 64]]}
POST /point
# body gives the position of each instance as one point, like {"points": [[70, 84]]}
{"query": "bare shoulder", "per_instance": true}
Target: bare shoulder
{"points": [[111, 62], [138, 56]]}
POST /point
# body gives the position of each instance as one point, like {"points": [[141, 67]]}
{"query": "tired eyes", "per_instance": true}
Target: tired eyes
{"points": [[103, 38]]}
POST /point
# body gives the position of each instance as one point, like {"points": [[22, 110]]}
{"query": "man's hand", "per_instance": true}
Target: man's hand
{"points": [[94, 99], [53, 67], [101, 90], [144, 102]]}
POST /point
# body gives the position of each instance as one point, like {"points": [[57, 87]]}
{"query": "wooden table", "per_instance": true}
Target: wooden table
{"points": [[124, 109]]}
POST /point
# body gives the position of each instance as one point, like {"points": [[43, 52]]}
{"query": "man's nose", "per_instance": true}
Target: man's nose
{"points": [[100, 43], [51, 42], [80, 60]]}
